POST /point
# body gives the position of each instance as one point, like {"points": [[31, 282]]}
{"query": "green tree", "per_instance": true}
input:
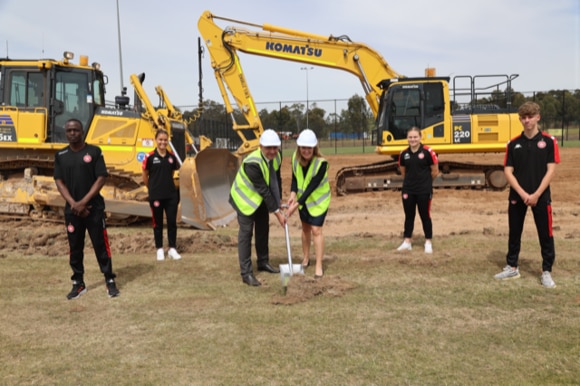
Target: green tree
{"points": [[357, 116], [297, 116], [316, 121], [279, 119]]}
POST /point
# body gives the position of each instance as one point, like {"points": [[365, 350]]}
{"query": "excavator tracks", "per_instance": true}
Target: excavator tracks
{"points": [[385, 175]]}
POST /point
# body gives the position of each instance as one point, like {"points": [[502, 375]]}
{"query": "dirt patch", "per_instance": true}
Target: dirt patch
{"points": [[28, 237], [302, 288]]}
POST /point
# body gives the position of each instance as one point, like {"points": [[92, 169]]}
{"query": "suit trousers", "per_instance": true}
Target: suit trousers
{"points": [[258, 222]]}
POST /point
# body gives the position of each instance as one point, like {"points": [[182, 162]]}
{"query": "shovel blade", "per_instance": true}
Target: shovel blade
{"points": [[287, 270]]}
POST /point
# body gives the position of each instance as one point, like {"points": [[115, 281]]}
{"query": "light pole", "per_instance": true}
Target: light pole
{"points": [[307, 105]]}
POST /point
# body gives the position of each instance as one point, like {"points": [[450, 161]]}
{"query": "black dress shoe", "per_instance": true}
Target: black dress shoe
{"points": [[251, 280], [268, 268]]}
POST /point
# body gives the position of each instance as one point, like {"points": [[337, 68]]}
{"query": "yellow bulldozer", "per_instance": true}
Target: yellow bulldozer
{"points": [[37, 96]]}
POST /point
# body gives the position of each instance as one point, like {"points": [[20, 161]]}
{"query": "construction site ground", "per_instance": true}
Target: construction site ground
{"points": [[454, 211]]}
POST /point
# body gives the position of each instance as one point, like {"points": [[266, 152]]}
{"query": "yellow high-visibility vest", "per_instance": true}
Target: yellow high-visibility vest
{"points": [[243, 192], [319, 201]]}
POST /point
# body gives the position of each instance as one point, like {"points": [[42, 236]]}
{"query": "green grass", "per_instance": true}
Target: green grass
{"points": [[401, 319]]}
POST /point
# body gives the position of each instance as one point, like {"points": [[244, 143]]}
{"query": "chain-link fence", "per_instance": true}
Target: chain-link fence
{"points": [[328, 118]]}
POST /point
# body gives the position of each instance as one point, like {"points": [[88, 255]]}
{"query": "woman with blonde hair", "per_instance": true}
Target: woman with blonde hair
{"points": [[310, 195], [419, 166]]}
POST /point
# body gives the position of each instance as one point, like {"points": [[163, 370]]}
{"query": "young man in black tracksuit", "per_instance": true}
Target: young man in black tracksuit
{"points": [[530, 164], [80, 173]]}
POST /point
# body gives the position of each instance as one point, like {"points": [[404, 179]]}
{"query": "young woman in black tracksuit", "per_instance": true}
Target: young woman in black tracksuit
{"points": [[419, 166], [158, 169]]}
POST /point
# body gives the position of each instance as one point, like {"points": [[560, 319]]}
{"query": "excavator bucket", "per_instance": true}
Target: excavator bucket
{"points": [[204, 185]]}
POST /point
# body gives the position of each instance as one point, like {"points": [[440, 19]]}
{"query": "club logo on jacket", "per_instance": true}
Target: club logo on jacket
{"points": [[170, 160], [87, 158], [156, 204], [421, 156], [70, 228], [541, 145]]}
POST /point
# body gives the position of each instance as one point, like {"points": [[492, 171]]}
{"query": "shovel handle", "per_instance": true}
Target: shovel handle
{"points": [[288, 248]]}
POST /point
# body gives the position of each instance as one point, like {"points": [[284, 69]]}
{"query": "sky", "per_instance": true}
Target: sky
{"points": [[538, 40]]}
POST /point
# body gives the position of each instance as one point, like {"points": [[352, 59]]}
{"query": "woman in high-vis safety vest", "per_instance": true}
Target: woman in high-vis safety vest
{"points": [[310, 194], [255, 193]]}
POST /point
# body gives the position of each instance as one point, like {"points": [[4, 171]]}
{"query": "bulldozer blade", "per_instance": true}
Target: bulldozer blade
{"points": [[204, 186]]}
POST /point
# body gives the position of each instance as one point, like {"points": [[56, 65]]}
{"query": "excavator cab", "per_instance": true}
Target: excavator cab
{"points": [[413, 102]]}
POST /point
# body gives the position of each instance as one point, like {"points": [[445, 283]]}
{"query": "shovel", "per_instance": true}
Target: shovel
{"points": [[287, 270]]}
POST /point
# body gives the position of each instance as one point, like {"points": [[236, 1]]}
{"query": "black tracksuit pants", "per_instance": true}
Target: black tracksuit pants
{"points": [[543, 218], [169, 207], [95, 225], [422, 204]]}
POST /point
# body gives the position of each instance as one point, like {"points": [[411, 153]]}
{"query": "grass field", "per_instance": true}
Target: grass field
{"points": [[328, 147], [382, 318]]}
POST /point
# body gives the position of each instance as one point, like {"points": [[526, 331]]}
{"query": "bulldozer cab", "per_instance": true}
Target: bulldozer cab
{"points": [[53, 93], [76, 94]]}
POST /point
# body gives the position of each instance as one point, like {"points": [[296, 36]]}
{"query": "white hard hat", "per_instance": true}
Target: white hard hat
{"points": [[307, 138], [270, 138]]}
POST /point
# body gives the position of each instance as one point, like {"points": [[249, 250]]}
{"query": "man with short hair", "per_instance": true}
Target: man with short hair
{"points": [[80, 173], [530, 165], [255, 193]]}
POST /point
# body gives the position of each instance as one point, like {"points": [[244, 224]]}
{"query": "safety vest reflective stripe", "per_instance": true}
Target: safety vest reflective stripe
{"points": [[319, 200], [243, 192], [315, 165], [237, 187]]}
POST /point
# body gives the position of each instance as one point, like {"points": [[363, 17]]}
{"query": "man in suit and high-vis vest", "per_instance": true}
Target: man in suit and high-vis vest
{"points": [[255, 193]]}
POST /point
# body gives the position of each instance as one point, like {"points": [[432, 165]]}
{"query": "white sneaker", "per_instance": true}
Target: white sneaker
{"points": [[160, 254], [428, 247], [508, 273], [173, 254], [405, 246], [547, 280]]}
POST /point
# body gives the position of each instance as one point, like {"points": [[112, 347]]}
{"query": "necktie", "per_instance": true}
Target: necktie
{"points": [[274, 183]]}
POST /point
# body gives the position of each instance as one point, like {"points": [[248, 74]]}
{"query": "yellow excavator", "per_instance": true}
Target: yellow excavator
{"points": [[449, 111], [38, 96]]}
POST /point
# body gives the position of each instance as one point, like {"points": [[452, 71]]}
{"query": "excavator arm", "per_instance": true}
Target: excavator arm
{"points": [[336, 52]]}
